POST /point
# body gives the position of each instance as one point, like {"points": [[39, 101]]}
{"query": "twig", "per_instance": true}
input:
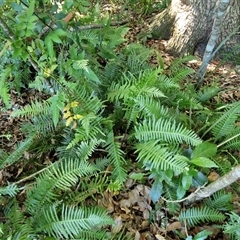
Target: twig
{"points": [[184, 199], [219, 184], [53, 26]]}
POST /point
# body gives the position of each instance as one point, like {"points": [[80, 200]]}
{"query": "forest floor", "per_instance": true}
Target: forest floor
{"points": [[131, 208]]}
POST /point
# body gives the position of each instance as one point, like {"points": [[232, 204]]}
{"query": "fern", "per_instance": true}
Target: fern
{"points": [[207, 93], [158, 157], [10, 189], [68, 222], [225, 124], [33, 109], [4, 88], [232, 227], [116, 158], [17, 154], [194, 216], [61, 175], [165, 131], [220, 201]]}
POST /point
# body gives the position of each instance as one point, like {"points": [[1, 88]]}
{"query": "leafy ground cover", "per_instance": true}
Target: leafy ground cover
{"points": [[114, 123]]}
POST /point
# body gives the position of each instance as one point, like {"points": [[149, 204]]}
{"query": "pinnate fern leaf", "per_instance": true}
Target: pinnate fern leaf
{"points": [[70, 221], [194, 216], [158, 157], [167, 131]]}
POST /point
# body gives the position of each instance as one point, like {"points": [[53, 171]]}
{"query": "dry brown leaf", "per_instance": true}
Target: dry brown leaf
{"points": [[118, 225], [159, 237], [173, 226]]}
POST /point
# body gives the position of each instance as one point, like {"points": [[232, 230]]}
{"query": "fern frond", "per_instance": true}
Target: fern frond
{"points": [[33, 109], [68, 222], [182, 74], [167, 131], [4, 88], [116, 157], [232, 227], [61, 175], [224, 125], [157, 157], [233, 140], [10, 189], [220, 201], [194, 216], [149, 107], [166, 83], [207, 93], [18, 153]]}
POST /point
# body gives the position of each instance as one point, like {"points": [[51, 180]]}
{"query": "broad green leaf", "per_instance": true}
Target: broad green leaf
{"points": [[156, 191], [16, 7], [199, 180], [180, 192], [49, 44], [60, 33], [202, 235], [186, 181], [137, 176], [55, 38], [204, 162], [30, 10], [91, 75], [205, 149]]}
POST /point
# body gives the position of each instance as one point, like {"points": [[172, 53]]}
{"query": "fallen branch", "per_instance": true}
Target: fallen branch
{"points": [[219, 184]]}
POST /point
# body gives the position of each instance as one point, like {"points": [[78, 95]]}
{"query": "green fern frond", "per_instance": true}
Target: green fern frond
{"points": [[33, 109], [177, 63], [194, 216], [61, 175], [232, 227], [10, 189], [166, 83], [167, 131], [18, 153], [116, 157], [224, 125], [170, 194], [157, 157], [149, 107], [233, 140], [67, 222], [182, 75], [207, 93], [4, 88], [220, 201], [224, 165]]}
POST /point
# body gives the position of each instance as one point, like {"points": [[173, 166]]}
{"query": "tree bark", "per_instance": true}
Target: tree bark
{"points": [[187, 25]]}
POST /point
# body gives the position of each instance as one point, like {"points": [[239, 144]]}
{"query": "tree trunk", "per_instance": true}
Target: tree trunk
{"points": [[187, 25]]}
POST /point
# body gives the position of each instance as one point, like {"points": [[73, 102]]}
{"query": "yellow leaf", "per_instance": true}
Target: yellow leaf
{"points": [[47, 72], [66, 108], [74, 104], [67, 114], [77, 116], [69, 120]]}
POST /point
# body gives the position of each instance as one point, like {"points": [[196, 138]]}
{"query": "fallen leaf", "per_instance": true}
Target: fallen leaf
{"points": [[117, 226]]}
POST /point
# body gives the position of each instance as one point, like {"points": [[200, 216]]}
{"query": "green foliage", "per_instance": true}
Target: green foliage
{"points": [[194, 216], [105, 107]]}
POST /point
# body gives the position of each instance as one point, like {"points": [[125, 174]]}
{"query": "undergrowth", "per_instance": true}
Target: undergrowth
{"points": [[108, 106]]}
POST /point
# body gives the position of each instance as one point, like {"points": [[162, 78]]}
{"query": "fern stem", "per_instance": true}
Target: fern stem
{"points": [[33, 175], [219, 145]]}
